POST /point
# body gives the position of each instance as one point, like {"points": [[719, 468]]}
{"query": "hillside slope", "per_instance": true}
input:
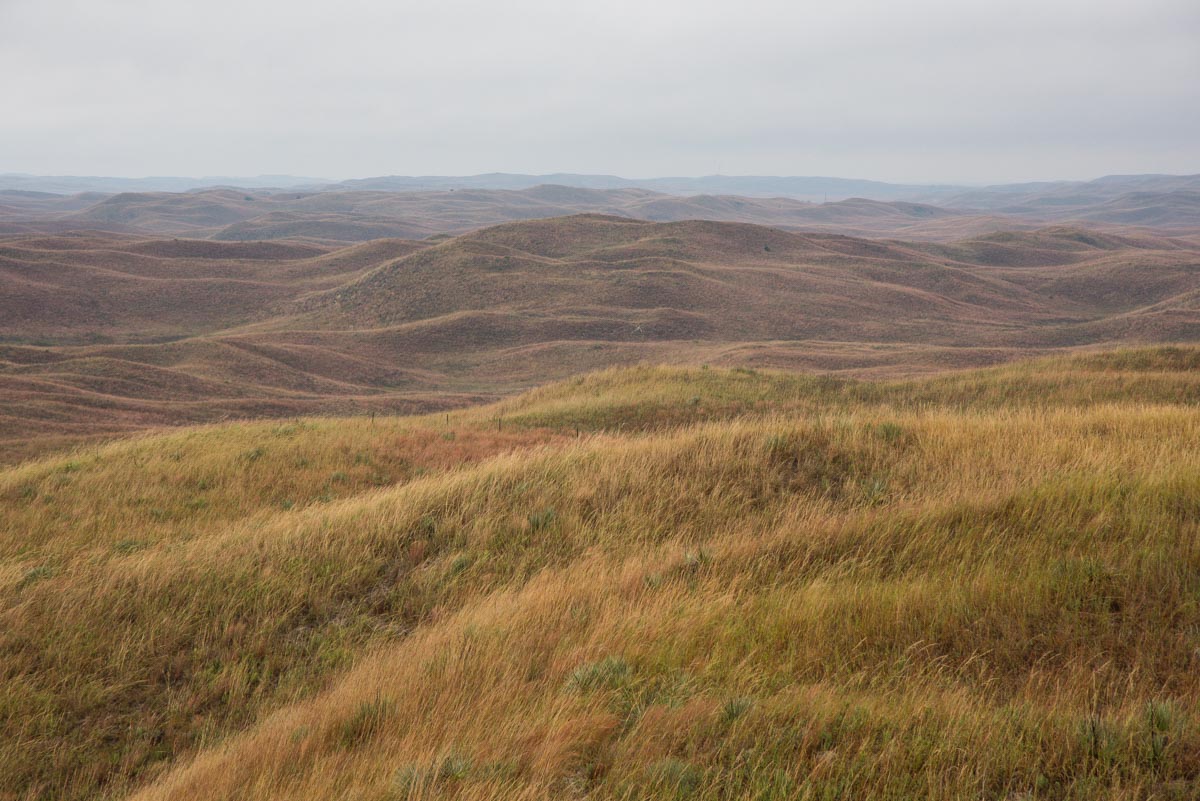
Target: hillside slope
{"points": [[352, 216], [190, 331], [97, 286], [725, 281], [982, 585], [413, 208]]}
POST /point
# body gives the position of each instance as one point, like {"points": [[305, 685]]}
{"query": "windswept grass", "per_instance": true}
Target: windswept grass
{"points": [[978, 586]]}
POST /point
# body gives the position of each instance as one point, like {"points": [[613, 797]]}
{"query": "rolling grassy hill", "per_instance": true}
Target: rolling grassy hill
{"points": [[643, 582], [110, 333], [110, 286], [734, 282], [354, 216], [338, 217], [408, 207]]}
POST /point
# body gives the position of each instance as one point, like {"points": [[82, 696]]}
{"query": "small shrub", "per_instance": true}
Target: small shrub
{"points": [[874, 491], [34, 575], [1160, 719], [1160, 715], [734, 708], [696, 561], [683, 778], [454, 766], [609, 673], [418, 778], [1099, 740], [458, 565], [890, 433], [542, 519], [368, 718]]}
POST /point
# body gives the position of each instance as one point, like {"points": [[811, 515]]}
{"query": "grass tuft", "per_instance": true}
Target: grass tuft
{"points": [[367, 720], [610, 673]]}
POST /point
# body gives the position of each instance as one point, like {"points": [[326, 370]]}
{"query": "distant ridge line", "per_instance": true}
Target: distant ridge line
{"points": [[813, 188]]}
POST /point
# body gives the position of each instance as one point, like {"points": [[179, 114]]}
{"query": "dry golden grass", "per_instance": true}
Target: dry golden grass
{"points": [[652, 583]]}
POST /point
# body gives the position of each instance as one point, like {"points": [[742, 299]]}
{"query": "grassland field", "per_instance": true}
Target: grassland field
{"points": [[645, 582]]}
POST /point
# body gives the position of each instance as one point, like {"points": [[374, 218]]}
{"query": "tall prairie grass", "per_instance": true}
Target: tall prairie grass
{"points": [[984, 585]]}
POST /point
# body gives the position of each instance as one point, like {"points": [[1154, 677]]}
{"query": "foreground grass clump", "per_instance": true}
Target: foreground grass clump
{"points": [[978, 586]]}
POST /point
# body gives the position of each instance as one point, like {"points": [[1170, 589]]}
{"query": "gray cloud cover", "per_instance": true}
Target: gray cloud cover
{"points": [[916, 91]]}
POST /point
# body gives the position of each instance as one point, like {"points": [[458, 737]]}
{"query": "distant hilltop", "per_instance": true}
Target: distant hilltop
{"points": [[813, 188]]}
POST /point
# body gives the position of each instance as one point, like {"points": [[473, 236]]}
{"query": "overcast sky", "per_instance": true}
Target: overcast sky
{"points": [[921, 91]]}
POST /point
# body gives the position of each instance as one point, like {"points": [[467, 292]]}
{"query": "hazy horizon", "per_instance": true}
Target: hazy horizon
{"points": [[933, 92], [557, 173]]}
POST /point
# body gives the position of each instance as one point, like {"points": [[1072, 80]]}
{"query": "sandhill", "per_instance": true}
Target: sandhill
{"points": [[334, 228], [1069, 196], [100, 286], [1159, 210], [189, 331], [339, 214], [650, 582], [620, 279]]}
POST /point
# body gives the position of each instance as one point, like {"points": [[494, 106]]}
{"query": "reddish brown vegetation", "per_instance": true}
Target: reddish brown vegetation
{"points": [[111, 332]]}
